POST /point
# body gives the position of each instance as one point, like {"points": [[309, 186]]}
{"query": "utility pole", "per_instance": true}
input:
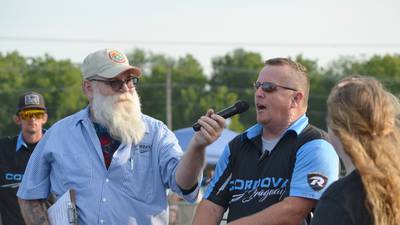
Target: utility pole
{"points": [[168, 96]]}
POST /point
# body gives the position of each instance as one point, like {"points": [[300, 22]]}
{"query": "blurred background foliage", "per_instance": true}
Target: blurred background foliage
{"points": [[192, 91]]}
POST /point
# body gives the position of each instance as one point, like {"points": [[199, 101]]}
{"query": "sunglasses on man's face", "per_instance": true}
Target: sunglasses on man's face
{"points": [[116, 85], [26, 115], [270, 87]]}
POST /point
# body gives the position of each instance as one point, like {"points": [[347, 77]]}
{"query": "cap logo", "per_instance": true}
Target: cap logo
{"points": [[32, 100], [116, 56], [317, 181]]}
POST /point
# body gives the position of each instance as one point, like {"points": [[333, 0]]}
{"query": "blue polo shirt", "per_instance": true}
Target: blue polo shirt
{"points": [[132, 191]]}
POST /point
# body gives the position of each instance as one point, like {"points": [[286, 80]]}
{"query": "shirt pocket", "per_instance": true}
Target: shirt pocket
{"points": [[75, 171], [139, 180]]}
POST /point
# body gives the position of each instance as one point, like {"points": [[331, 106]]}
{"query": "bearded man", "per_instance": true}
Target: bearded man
{"points": [[119, 161]]}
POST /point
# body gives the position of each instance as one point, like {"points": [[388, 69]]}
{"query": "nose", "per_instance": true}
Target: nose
{"points": [[259, 92], [32, 119], [124, 88]]}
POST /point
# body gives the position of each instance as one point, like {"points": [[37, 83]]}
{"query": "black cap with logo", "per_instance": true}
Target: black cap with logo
{"points": [[31, 100]]}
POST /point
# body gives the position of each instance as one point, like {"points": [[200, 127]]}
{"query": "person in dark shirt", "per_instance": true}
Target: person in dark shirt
{"points": [[274, 172], [363, 126], [15, 152]]}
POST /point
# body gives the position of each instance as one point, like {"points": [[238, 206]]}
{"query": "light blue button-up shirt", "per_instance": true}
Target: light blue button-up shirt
{"points": [[132, 191]]}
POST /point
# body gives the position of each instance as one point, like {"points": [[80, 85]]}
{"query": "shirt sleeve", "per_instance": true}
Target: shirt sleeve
{"points": [[170, 156], [218, 191], [316, 167], [36, 180]]}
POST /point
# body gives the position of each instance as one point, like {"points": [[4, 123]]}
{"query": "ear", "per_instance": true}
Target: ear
{"points": [[17, 119], [297, 99], [87, 88], [45, 118]]}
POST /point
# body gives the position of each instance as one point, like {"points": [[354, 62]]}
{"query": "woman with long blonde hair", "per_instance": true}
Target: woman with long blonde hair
{"points": [[363, 126]]}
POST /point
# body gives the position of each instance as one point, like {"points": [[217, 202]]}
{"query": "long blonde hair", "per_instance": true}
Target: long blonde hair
{"points": [[365, 118]]}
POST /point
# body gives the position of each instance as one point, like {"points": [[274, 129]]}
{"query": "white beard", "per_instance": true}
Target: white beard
{"points": [[120, 114]]}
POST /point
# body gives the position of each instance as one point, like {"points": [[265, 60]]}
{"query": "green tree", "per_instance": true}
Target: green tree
{"points": [[58, 81], [12, 67], [320, 86], [238, 70], [188, 85], [221, 98], [192, 93], [385, 68]]}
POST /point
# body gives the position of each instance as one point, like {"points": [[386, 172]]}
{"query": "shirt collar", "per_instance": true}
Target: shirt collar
{"points": [[297, 126], [83, 115], [21, 142]]}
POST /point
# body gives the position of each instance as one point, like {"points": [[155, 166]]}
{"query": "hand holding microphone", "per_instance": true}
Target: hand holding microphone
{"points": [[237, 108]]}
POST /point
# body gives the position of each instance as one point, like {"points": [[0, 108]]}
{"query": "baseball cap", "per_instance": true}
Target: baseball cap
{"points": [[107, 63], [31, 100]]}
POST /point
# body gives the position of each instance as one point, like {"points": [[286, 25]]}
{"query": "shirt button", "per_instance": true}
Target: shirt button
{"points": [[101, 221], [104, 199], [107, 180]]}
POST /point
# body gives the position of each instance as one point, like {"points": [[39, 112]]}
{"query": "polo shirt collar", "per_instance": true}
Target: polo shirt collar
{"points": [[20, 142], [298, 126]]}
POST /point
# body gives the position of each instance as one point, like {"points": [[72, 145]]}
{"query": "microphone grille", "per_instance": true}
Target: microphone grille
{"points": [[241, 106]]}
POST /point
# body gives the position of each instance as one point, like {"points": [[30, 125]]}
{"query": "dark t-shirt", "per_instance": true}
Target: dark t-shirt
{"points": [[343, 203], [12, 168]]}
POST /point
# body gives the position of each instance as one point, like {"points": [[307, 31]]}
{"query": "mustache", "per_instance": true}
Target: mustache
{"points": [[123, 96], [120, 98]]}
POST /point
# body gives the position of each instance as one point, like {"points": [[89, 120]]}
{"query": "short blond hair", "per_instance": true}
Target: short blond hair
{"points": [[300, 76]]}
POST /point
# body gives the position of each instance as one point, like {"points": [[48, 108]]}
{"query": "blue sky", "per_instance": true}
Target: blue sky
{"points": [[322, 30]]}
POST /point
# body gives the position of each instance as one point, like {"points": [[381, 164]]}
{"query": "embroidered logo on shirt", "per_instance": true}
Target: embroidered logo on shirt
{"points": [[257, 190], [317, 181], [144, 148], [14, 176], [13, 185]]}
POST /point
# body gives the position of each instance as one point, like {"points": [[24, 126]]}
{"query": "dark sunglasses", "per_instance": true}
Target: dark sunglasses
{"points": [[270, 87], [116, 85]]}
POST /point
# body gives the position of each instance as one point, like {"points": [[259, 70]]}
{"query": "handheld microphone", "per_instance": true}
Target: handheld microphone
{"points": [[237, 108]]}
